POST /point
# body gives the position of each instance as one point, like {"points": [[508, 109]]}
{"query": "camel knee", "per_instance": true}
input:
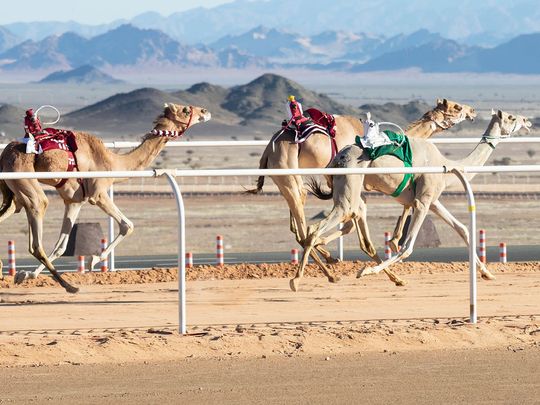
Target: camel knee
{"points": [[126, 228]]}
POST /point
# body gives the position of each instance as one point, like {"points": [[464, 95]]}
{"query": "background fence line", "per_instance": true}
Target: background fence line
{"points": [[187, 144]]}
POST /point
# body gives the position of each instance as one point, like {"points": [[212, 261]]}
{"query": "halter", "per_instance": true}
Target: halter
{"points": [[448, 122], [486, 138], [175, 134]]}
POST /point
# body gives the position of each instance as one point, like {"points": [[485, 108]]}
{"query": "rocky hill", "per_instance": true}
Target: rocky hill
{"points": [[11, 122], [401, 114], [257, 107], [82, 75]]}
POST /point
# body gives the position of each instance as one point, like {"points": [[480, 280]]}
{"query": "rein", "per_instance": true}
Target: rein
{"points": [[175, 134]]}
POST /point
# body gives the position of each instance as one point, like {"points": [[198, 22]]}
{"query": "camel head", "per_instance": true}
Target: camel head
{"points": [[454, 113], [510, 123], [502, 125], [176, 119]]}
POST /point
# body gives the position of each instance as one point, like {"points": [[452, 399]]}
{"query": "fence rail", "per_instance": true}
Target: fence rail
{"points": [[171, 175], [189, 144]]}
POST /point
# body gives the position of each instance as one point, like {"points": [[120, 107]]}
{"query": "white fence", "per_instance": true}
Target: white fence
{"points": [[171, 175], [189, 144]]}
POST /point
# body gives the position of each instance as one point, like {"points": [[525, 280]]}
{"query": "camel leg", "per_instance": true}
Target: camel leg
{"points": [[421, 207], [71, 212], [35, 203], [125, 226], [292, 189], [313, 239], [367, 246], [439, 209], [398, 230]]}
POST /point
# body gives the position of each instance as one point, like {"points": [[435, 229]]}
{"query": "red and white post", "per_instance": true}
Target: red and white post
{"points": [[80, 264], [11, 258], [189, 260], [105, 262], [387, 249], [294, 256], [220, 259], [482, 246], [502, 252]]}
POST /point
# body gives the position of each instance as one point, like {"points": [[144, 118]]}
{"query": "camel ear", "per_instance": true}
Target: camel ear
{"points": [[500, 114], [165, 105], [445, 102], [439, 101], [492, 112], [368, 115]]}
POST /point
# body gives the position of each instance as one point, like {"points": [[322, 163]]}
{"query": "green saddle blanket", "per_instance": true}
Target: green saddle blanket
{"points": [[399, 148]]}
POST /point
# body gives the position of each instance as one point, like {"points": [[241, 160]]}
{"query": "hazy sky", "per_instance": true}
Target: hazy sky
{"points": [[93, 11]]}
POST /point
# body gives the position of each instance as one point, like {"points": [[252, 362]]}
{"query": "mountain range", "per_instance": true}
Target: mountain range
{"points": [[485, 23], [268, 48]]}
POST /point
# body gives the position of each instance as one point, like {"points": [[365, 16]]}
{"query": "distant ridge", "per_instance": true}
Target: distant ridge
{"points": [[260, 102], [85, 74], [257, 107]]}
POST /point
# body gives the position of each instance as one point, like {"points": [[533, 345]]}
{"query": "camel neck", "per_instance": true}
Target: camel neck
{"points": [[422, 129], [143, 155], [484, 149]]}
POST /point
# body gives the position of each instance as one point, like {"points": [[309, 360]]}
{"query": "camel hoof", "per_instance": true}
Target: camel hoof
{"points": [[294, 284], [334, 279], [332, 260], [20, 276], [488, 276], [72, 290], [400, 283], [364, 272]]}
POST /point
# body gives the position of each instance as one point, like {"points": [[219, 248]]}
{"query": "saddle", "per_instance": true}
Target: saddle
{"points": [[317, 121], [39, 140]]}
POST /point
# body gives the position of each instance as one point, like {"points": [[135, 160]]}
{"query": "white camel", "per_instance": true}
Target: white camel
{"points": [[422, 194]]}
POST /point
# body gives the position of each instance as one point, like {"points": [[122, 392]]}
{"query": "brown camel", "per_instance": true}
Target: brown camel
{"points": [[92, 155], [423, 195], [316, 153]]}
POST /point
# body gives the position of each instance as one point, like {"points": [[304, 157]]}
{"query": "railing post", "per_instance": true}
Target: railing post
{"points": [[111, 233], [472, 244], [181, 253]]}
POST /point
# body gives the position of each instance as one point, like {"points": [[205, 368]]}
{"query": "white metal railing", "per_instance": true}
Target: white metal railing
{"points": [[188, 144], [173, 173]]}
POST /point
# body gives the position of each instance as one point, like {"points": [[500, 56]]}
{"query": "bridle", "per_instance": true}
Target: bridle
{"points": [[449, 121], [175, 134]]}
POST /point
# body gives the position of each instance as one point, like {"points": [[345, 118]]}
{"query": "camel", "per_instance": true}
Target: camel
{"points": [[92, 155], [423, 195], [316, 153]]}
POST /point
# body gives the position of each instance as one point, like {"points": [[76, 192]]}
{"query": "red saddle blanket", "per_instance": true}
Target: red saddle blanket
{"points": [[52, 139], [324, 120]]}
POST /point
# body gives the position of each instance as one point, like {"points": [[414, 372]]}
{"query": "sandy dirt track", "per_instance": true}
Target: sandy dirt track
{"points": [[252, 340], [429, 377]]}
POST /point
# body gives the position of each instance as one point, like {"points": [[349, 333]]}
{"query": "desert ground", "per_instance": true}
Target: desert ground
{"points": [[250, 339]]}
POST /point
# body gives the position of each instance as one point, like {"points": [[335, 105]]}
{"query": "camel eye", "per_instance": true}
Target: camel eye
{"points": [[186, 110], [371, 124]]}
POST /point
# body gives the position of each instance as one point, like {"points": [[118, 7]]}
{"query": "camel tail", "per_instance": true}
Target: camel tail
{"points": [[263, 164], [8, 201], [315, 188]]}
